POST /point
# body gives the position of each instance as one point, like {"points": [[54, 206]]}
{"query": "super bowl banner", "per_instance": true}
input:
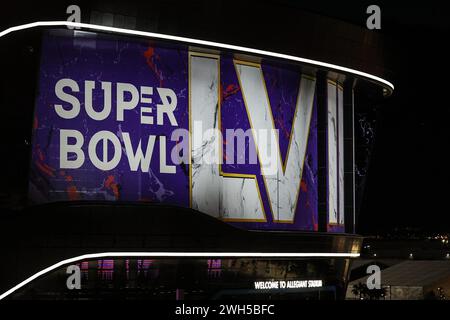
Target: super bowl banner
{"points": [[121, 119]]}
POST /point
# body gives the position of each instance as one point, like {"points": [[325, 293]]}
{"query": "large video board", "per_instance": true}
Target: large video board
{"points": [[121, 119]]}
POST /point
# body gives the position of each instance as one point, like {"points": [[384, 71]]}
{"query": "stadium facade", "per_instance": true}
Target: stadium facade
{"points": [[166, 167]]}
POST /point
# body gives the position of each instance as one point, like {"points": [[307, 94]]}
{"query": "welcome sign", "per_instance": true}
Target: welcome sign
{"points": [[122, 119]]}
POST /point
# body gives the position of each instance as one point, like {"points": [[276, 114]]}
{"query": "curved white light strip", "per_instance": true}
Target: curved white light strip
{"points": [[187, 254], [198, 42], [177, 254]]}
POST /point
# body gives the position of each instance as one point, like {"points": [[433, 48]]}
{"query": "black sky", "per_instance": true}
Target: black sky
{"points": [[409, 171], [407, 182]]}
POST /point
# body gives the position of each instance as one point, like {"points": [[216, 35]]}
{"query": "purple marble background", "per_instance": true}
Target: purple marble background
{"points": [[145, 63], [137, 62]]}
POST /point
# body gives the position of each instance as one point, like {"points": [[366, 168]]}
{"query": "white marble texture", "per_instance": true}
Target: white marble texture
{"points": [[240, 199], [282, 185], [332, 154], [203, 86], [341, 153], [236, 197]]}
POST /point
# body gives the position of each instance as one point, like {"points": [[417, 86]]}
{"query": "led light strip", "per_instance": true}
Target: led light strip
{"points": [[203, 43], [198, 42], [177, 254]]}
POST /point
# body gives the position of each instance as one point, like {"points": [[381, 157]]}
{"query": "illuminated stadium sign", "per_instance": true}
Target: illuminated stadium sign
{"points": [[287, 284], [135, 120]]}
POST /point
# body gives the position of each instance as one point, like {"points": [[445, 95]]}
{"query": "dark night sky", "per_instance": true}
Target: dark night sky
{"points": [[406, 185], [408, 173]]}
